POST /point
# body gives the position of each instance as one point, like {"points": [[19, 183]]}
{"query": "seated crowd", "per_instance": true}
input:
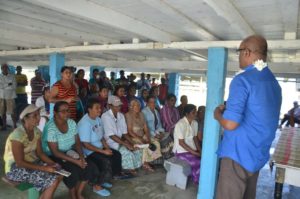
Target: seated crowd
{"points": [[100, 131]]}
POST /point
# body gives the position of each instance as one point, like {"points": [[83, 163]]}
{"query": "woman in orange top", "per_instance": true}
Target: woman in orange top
{"points": [[65, 90]]}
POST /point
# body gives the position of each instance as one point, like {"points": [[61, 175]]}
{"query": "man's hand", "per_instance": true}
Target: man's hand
{"points": [[219, 112]]}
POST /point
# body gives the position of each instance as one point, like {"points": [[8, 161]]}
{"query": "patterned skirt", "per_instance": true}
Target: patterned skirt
{"points": [[130, 159], [41, 180], [148, 155]]}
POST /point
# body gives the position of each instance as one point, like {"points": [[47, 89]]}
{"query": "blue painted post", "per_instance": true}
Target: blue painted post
{"points": [[44, 69], [216, 74], [56, 62], [174, 79]]}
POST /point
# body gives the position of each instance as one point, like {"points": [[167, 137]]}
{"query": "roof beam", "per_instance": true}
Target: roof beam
{"points": [[94, 12], [194, 27], [226, 10], [289, 14], [194, 67], [272, 44]]}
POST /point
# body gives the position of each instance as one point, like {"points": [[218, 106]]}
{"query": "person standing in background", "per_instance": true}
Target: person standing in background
{"points": [[22, 82], [7, 96], [37, 84]]}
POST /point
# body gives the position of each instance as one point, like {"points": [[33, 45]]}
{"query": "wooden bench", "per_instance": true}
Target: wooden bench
{"points": [[23, 186], [177, 172]]}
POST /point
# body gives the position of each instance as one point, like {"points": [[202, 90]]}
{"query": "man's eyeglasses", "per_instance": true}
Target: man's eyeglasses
{"points": [[238, 51]]}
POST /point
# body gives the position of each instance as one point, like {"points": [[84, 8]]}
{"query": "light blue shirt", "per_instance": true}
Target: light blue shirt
{"points": [[149, 117], [254, 103], [90, 131]]}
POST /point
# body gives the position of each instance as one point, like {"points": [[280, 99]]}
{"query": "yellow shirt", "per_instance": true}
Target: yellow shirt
{"points": [[20, 135], [21, 79]]}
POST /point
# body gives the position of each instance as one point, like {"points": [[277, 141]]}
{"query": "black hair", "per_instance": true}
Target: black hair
{"points": [[58, 105], [95, 70], [189, 108], [118, 87], [151, 92], [80, 70], [66, 68], [171, 95], [91, 102], [45, 89], [150, 97], [130, 87], [103, 87]]}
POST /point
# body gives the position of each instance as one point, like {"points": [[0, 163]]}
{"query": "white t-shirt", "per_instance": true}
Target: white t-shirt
{"points": [[113, 126], [185, 130], [40, 102], [8, 91]]}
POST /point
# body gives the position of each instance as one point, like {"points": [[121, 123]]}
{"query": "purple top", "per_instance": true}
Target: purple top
{"points": [[169, 117]]}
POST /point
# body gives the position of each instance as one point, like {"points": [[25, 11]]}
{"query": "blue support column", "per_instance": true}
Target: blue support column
{"points": [[44, 69], [174, 79], [216, 74], [56, 62]]}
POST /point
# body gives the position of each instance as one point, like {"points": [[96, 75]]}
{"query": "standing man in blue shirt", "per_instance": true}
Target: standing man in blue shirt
{"points": [[250, 120]]}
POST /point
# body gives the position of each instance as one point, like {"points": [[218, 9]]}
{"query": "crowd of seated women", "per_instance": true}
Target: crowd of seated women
{"points": [[100, 131]]}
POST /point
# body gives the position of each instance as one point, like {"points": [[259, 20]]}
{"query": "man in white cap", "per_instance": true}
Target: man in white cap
{"points": [[115, 133]]}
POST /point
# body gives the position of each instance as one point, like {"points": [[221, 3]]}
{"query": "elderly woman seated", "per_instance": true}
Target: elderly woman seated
{"points": [[157, 132], [138, 130], [186, 143], [24, 158], [61, 142], [115, 133], [91, 133]]}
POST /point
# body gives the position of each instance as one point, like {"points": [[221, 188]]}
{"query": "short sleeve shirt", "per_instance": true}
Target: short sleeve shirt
{"points": [[113, 126], [185, 131], [65, 141], [90, 131], [20, 135]]}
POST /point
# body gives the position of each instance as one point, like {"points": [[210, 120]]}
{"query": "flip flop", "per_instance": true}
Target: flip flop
{"points": [[106, 185], [102, 192]]}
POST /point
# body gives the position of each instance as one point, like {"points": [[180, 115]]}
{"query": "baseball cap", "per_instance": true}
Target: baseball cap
{"points": [[114, 100]]}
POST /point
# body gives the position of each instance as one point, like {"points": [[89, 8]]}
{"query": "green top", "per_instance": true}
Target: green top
{"points": [[65, 141]]}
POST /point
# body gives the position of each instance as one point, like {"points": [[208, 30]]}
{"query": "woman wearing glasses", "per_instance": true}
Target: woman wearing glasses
{"points": [[61, 142]]}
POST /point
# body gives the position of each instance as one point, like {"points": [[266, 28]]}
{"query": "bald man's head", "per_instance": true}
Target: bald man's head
{"points": [[258, 45]]}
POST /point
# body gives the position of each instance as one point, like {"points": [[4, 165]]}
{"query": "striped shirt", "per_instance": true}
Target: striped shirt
{"points": [[65, 93], [36, 88]]}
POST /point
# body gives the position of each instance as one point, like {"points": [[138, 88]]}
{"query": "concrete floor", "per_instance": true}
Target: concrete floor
{"points": [[150, 185]]}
